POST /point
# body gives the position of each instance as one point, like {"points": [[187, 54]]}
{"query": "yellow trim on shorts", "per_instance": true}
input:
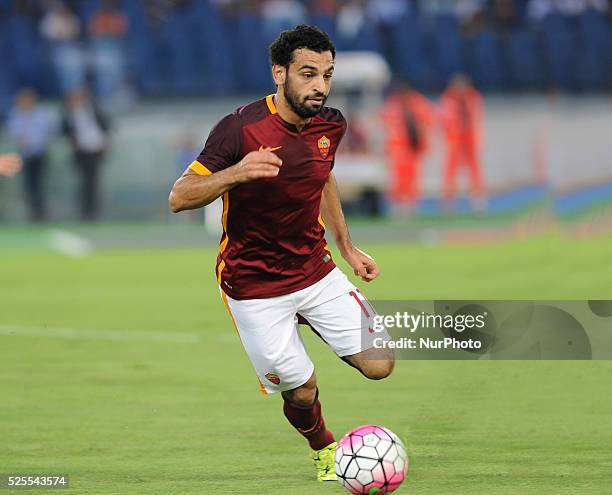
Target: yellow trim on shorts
{"points": [[224, 297]]}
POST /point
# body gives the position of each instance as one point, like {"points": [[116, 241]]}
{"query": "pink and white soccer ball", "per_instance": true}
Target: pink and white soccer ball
{"points": [[371, 460]]}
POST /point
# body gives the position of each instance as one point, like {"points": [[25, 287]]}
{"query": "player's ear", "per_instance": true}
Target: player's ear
{"points": [[279, 73]]}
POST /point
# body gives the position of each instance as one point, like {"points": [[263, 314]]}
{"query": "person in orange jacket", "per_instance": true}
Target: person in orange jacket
{"points": [[462, 114], [407, 117]]}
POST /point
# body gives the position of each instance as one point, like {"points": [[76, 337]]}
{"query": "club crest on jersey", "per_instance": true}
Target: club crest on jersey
{"points": [[323, 144], [273, 378]]}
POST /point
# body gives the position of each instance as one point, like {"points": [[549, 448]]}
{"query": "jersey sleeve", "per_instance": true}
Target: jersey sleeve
{"points": [[222, 148]]}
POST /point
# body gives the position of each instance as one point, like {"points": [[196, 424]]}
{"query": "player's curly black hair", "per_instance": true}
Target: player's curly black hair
{"points": [[302, 36]]}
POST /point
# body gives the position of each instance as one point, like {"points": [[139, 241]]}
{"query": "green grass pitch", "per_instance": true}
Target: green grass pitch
{"points": [[126, 374]]}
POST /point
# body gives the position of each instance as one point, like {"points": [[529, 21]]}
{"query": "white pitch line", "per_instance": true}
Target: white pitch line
{"points": [[89, 334]]}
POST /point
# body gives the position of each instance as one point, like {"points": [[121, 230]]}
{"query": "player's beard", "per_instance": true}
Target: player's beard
{"points": [[302, 106]]}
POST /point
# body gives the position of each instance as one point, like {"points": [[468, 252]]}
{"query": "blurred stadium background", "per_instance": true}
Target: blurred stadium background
{"points": [[165, 71]]}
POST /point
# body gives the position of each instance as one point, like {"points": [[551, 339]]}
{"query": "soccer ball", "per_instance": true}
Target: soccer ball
{"points": [[371, 460]]}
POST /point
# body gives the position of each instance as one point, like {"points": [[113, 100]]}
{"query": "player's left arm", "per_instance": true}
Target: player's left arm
{"points": [[331, 210]]}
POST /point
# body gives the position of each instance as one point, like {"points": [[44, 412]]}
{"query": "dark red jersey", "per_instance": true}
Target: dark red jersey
{"points": [[273, 237]]}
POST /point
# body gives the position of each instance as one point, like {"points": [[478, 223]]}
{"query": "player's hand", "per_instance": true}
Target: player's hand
{"points": [[363, 264], [257, 165], [10, 164]]}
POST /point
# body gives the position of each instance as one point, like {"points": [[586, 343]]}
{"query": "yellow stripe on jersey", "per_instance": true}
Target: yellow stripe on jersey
{"points": [[199, 169], [219, 270], [321, 221], [224, 216], [225, 241], [270, 103]]}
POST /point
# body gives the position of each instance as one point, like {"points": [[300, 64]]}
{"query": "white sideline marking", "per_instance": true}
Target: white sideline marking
{"points": [[89, 334]]}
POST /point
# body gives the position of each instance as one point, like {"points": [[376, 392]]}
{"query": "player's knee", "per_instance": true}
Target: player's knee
{"points": [[304, 395], [378, 370]]}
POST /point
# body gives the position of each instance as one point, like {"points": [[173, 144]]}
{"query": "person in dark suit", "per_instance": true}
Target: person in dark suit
{"points": [[87, 129]]}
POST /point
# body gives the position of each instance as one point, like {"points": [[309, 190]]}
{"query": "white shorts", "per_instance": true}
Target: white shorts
{"points": [[268, 328]]}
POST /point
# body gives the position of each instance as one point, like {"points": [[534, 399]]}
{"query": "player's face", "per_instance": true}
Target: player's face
{"points": [[308, 82]]}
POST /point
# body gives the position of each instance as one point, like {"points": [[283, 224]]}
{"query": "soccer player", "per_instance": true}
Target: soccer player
{"points": [[271, 161]]}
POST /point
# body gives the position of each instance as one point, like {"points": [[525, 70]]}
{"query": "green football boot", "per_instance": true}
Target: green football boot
{"points": [[324, 462]]}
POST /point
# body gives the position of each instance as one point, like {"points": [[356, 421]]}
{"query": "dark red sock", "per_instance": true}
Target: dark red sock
{"points": [[309, 422]]}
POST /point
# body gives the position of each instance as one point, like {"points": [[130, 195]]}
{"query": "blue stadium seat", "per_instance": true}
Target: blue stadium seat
{"points": [[589, 72], [594, 69], [326, 23], [214, 53], [137, 47], [7, 80], [86, 8], [558, 50], [365, 39], [252, 65], [146, 57], [484, 61], [183, 60], [27, 52], [201, 50], [410, 48], [447, 48], [524, 57]]}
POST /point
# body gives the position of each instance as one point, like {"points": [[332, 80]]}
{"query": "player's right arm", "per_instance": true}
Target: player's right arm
{"points": [[221, 167], [193, 190]]}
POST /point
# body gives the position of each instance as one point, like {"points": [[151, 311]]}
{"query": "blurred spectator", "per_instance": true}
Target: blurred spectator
{"points": [[107, 30], [158, 12], [61, 29], [471, 15], [389, 11], [408, 117], [28, 8], [466, 9], [324, 7], [571, 7], [351, 20], [418, 38], [88, 132], [436, 7], [583, 5], [10, 164], [31, 128], [505, 15], [387, 16], [279, 15], [462, 116], [539, 9]]}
